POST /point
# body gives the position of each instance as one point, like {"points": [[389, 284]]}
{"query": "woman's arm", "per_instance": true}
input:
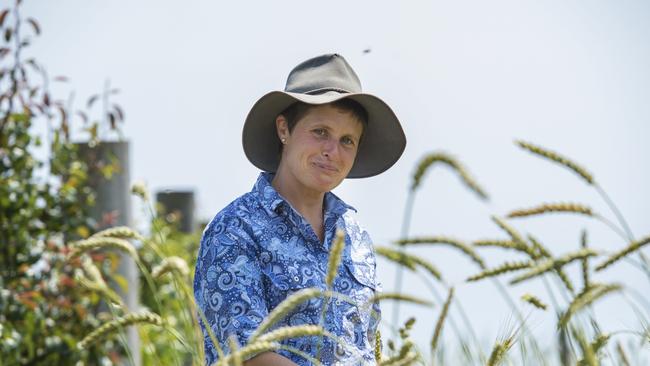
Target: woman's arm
{"points": [[269, 359]]}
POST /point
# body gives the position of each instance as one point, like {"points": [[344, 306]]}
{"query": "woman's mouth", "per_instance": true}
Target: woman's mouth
{"points": [[327, 167]]}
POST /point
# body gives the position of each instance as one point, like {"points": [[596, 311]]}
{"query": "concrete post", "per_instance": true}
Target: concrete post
{"points": [[113, 208], [181, 201]]}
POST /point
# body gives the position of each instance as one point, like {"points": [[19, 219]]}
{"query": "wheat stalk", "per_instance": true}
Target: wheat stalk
{"points": [[588, 354], [533, 300], [504, 268], [398, 257], [408, 359], [505, 244], [440, 322], [586, 298], [96, 281], [545, 253], [235, 355], [249, 350], [139, 189], [407, 260], [91, 244], [599, 342], [291, 332], [444, 240], [634, 246], [552, 208], [551, 264], [499, 351], [123, 232], [171, 264], [406, 329], [585, 263], [515, 236], [553, 156], [404, 352], [286, 306], [129, 319], [539, 247], [446, 159], [335, 257], [398, 297], [378, 348], [564, 278], [621, 354]]}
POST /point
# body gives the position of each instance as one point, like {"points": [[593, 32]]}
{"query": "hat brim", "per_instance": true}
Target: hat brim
{"points": [[382, 145]]}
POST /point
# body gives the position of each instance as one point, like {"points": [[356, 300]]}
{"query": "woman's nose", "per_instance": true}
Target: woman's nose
{"points": [[330, 148]]}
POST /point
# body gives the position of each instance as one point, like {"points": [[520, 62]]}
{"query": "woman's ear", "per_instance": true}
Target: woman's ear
{"points": [[282, 128]]}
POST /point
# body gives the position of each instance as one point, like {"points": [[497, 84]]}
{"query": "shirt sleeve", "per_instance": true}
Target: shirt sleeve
{"points": [[228, 286]]}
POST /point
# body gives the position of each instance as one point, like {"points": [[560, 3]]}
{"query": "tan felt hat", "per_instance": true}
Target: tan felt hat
{"points": [[321, 80]]}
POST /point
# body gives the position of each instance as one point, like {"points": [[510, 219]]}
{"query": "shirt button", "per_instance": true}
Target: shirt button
{"points": [[355, 318]]}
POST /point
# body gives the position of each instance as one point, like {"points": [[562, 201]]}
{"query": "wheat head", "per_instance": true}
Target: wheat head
{"points": [[504, 268], [552, 263], [282, 333], [560, 207], [586, 298], [286, 306], [533, 300], [449, 161], [553, 156], [444, 240], [634, 246], [96, 243], [441, 321], [171, 264], [407, 260], [335, 255], [113, 325], [123, 232]]}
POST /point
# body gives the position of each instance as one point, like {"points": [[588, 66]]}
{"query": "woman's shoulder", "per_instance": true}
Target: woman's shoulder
{"points": [[234, 215]]}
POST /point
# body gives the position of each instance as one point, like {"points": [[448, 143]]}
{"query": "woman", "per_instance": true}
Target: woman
{"points": [[275, 240]]}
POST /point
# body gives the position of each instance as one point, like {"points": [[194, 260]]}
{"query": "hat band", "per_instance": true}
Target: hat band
{"points": [[325, 90]]}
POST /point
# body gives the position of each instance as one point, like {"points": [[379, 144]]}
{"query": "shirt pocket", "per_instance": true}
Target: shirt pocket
{"points": [[363, 273], [360, 320]]}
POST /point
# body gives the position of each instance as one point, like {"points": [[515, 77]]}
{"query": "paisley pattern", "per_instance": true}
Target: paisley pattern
{"points": [[259, 250]]}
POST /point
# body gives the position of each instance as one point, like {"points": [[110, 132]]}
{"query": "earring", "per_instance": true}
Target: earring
{"points": [[284, 141]]}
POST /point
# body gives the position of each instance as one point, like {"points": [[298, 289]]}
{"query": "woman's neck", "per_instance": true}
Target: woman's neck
{"points": [[307, 202]]}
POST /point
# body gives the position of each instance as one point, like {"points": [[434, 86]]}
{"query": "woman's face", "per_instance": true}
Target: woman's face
{"points": [[319, 153]]}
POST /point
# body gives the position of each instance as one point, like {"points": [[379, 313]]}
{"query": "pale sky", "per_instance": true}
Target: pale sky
{"points": [[464, 77]]}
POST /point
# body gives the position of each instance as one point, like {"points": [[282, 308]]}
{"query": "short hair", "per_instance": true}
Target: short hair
{"points": [[298, 110]]}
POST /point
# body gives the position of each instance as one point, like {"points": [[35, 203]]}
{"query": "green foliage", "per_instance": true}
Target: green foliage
{"points": [[170, 294], [43, 203]]}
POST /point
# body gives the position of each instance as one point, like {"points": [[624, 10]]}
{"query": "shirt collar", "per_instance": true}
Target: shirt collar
{"points": [[270, 199]]}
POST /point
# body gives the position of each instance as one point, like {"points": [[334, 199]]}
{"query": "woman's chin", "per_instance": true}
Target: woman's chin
{"points": [[325, 182]]}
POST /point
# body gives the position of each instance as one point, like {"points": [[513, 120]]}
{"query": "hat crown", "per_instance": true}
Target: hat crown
{"points": [[321, 74]]}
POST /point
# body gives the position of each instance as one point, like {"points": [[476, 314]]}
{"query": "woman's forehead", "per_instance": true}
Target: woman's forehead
{"points": [[332, 117]]}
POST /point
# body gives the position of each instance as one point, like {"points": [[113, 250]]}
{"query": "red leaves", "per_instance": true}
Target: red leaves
{"points": [[92, 100], [3, 16], [35, 26], [8, 33], [119, 112]]}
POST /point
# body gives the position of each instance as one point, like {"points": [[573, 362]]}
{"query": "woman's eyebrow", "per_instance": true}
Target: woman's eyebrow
{"points": [[327, 127]]}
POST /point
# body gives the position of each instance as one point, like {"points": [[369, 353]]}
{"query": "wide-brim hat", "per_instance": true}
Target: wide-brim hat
{"points": [[321, 80]]}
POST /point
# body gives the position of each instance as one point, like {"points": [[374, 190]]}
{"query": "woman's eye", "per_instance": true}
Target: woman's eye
{"points": [[320, 131], [348, 141]]}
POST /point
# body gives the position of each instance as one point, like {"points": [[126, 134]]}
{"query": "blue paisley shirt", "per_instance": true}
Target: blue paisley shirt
{"points": [[259, 250]]}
